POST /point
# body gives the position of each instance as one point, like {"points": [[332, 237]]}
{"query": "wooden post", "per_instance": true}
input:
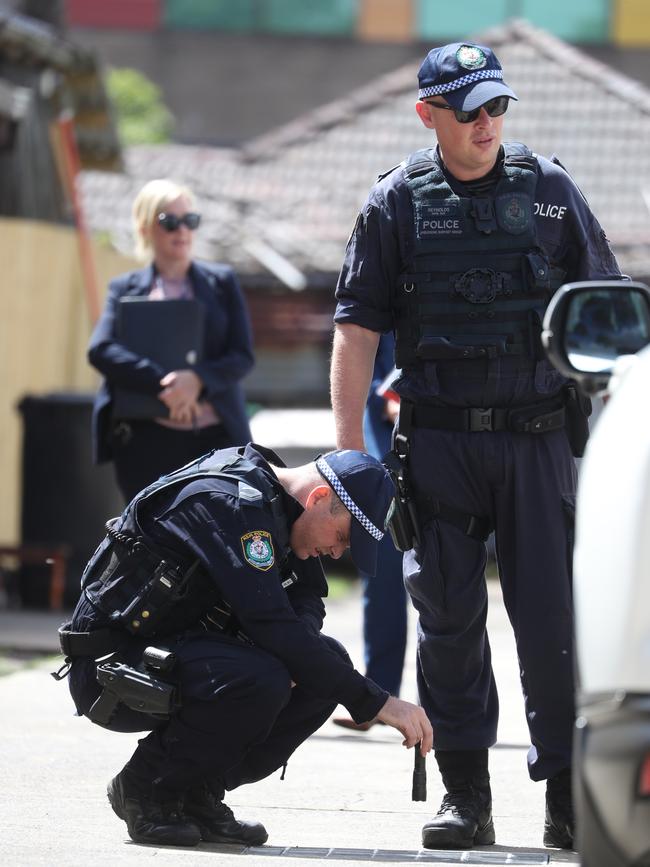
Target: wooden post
{"points": [[68, 158]]}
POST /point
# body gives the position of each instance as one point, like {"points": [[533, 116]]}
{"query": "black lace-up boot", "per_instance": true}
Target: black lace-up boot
{"points": [[216, 821], [149, 820], [558, 824], [464, 819]]}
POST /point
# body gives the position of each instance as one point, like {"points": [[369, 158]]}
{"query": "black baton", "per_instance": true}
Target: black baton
{"points": [[419, 791]]}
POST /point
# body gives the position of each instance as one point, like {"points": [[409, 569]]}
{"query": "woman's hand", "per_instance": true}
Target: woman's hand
{"points": [[180, 394]]}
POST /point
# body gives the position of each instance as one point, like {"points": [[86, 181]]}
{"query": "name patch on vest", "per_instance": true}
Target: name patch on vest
{"points": [[442, 219], [514, 212]]}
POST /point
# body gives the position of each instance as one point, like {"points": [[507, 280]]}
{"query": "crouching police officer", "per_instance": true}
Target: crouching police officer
{"points": [[200, 620]]}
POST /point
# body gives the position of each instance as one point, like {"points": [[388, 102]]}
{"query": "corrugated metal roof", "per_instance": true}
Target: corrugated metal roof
{"points": [[299, 188]]}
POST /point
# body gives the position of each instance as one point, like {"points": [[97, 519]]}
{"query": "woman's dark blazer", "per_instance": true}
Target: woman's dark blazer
{"points": [[228, 351]]}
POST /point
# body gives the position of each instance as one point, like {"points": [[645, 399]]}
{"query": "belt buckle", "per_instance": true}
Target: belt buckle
{"points": [[480, 419]]}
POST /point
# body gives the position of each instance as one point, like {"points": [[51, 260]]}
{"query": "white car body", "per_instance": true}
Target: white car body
{"points": [[590, 329], [612, 551]]}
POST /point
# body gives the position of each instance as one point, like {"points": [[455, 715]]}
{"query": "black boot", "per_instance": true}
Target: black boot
{"points": [[149, 820], [217, 822], [464, 819], [558, 824]]}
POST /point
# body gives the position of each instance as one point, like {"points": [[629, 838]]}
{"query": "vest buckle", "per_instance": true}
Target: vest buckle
{"points": [[479, 285], [483, 213]]}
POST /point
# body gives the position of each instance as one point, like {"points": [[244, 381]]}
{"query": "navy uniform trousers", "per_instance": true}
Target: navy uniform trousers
{"points": [[239, 721], [525, 483]]}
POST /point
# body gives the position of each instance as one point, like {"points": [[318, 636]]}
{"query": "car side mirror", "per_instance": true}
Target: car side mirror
{"points": [[588, 325]]}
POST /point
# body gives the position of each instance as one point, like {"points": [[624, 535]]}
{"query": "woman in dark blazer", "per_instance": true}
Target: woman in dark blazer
{"points": [[204, 402]]}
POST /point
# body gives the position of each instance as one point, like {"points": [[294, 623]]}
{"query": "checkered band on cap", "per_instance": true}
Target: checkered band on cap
{"points": [[470, 78], [347, 500]]}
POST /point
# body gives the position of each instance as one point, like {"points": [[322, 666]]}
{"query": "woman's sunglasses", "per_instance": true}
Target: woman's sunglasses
{"points": [[170, 222], [494, 107]]}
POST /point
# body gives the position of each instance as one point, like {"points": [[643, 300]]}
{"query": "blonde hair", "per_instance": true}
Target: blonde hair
{"points": [[151, 201]]}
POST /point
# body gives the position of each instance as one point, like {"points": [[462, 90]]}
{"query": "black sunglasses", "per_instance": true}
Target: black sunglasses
{"points": [[170, 222], [494, 107]]}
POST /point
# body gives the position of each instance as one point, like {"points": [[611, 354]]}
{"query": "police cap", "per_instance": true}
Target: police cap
{"points": [[364, 487], [465, 74]]}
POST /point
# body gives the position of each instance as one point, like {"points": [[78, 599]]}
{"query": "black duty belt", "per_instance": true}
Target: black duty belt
{"points": [[97, 643], [533, 419]]}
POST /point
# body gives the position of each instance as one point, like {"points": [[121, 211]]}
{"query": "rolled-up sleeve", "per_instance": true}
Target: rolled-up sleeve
{"points": [[371, 265]]}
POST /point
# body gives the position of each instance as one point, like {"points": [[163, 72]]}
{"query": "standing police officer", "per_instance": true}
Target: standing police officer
{"points": [[205, 596], [458, 250]]}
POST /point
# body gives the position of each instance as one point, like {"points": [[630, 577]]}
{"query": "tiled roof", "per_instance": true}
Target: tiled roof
{"points": [[297, 190]]}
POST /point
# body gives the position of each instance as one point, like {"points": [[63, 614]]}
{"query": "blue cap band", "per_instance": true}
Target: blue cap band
{"points": [[347, 501], [470, 78]]}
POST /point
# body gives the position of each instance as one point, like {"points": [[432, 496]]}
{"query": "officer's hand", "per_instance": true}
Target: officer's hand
{"points": [[410, 720]]}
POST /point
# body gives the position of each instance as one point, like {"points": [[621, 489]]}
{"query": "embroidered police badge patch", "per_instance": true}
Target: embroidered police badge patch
{"points": [[471, 57], [258, 549], [514, 212]]}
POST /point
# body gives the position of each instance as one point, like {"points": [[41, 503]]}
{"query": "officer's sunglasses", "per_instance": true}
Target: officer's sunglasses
{"points": [[171, 222], [494, 107]]}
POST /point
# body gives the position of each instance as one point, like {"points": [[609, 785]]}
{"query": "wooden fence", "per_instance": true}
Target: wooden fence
{"points": [[44, 331]]}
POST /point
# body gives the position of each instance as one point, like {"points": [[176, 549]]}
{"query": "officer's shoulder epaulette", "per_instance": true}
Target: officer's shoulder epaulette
{"points": [[516, 153], [419, 163], [555, 160], [380, 177], [249, 496]]}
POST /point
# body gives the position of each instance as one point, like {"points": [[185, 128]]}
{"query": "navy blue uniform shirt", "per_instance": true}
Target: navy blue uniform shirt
{"points": [[205, 519], [375, 256]]}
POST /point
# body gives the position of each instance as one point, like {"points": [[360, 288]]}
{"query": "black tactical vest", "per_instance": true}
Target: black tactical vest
{"points": [[147, 590], [477, 282]]}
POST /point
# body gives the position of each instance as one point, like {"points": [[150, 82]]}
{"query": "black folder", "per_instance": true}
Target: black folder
{"points": [[170, 332]]}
